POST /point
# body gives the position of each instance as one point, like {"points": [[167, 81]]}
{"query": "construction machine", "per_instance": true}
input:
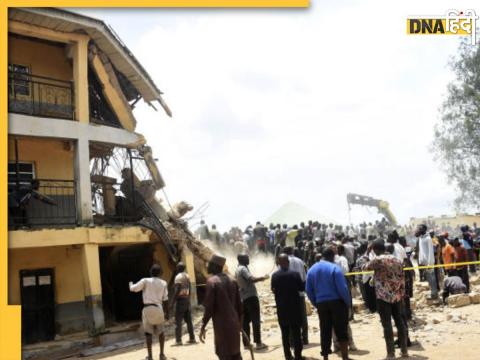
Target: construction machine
{"points": [[381, 205]]}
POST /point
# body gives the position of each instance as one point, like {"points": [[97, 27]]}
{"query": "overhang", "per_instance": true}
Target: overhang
{"points": [[105, 39]]}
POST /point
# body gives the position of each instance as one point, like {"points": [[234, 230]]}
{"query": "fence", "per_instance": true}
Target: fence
{"points": [[52, 203], [40, 96]]}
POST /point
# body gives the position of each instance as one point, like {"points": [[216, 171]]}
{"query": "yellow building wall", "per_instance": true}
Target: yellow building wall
{"points": [[452, 221], [53, 159], [31, 52], [66, 262]]}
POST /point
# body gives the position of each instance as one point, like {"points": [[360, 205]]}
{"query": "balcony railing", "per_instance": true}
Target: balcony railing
{"points": [[110, 206], [40, 96], [52, 202]]}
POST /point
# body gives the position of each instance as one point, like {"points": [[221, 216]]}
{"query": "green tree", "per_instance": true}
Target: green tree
{"points": [[457, 134]]}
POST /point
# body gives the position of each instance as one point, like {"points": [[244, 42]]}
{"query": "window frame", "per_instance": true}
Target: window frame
{"points": [[12, 173], [21, 80]]}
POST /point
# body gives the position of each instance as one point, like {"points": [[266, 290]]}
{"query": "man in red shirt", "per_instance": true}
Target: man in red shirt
{"points": [[460, 257]]}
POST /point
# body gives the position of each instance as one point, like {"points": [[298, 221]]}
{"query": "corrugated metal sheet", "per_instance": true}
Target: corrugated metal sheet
{"points": [[105, 39]]}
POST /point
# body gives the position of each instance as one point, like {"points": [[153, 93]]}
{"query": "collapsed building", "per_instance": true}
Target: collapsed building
{"points": [[84, 219]]}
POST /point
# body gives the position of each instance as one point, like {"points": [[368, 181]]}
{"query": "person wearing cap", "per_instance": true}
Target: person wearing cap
{"points": [[155, 300], [251, 303], [223, 305]]}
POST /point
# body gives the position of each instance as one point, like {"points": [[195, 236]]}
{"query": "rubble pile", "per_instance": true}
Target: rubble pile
{"points": [[183, 237]]}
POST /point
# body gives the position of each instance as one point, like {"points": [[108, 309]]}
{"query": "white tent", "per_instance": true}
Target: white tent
{"points": [[292, 213]]}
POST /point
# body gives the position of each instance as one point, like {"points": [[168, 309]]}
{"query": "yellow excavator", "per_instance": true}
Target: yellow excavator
{"points": [[381, 205]]}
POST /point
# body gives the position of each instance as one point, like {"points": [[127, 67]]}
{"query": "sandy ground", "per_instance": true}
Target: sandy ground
{"points": [[435, 337]]}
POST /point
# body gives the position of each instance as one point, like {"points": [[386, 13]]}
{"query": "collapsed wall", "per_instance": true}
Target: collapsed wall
{"points": [[183, 237]]}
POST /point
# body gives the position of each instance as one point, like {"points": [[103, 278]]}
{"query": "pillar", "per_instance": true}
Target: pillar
{"points": [[80, 80], [82, 181], [93, 289], [187, 259]]}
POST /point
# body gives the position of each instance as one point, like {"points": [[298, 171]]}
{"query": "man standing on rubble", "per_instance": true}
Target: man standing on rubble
{"points": [[181, 299], [286, 286], [251, 304], [202, 232], [222, 304], [461, 256], [327, 289], [390, 290], [260, 235], [214, 236], [426, 256], [155, 300]]}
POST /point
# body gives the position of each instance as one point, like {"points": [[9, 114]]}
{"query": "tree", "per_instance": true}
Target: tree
{"points": [[457, 134]]}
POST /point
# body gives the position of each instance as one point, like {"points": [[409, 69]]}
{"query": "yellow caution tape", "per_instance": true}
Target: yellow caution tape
{"points": [[452, 266]]}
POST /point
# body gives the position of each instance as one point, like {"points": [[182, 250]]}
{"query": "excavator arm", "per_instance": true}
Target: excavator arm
{"points": [[381, 205]]}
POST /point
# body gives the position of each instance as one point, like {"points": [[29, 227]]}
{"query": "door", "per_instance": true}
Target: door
{"points": [[38, 305], [130, 263]]}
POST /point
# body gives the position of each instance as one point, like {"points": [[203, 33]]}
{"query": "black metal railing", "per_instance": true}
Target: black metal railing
{"points": [[40, 95], [43, 202], [110, 206]]}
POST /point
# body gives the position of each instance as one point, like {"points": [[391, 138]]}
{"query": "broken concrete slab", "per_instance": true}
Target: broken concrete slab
{"points": [[458, 300]]}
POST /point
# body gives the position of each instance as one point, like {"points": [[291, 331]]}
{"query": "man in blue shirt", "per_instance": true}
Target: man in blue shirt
{"points": [[327, 289]]}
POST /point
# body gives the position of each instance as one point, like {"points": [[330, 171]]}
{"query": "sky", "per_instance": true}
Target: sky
{"points": [[302, 105]]}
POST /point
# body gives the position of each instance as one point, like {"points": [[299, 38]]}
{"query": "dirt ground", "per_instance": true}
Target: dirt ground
{"points": [[435, 337]]}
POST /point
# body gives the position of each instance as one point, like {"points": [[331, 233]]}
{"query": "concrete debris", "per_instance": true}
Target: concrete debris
{"points": [[475, 280], [458, 300], [358, 306], [422, 286], [474, 298], [183, 237]]}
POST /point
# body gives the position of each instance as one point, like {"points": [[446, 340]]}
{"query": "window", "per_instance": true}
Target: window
{"points": [[26, 173], [18, 80]]}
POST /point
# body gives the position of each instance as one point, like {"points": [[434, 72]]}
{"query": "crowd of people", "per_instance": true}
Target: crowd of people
{"points": [[325, 265]]}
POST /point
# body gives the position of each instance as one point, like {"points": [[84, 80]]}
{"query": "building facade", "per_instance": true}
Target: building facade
{"points": [[80, 180], [447, 221]]}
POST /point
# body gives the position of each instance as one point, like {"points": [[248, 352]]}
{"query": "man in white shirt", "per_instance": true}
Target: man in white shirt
{"points": [[426, 256], [155, 300]]}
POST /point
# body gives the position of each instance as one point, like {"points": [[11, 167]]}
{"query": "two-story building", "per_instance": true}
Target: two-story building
{"points": [[77, 229]]}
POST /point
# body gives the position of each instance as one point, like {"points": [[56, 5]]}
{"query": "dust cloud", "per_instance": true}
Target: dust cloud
{"points": [[260, 263]]}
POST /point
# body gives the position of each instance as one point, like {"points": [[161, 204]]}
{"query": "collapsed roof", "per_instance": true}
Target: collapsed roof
{"points": [[134, 79]]}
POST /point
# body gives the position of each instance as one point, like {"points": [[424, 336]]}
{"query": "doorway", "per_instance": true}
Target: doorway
{"points": [[38, 305]]}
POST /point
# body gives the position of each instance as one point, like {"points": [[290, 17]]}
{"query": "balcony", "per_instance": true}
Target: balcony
{"points": [[40, 96], [109, 204], [41, 202]]}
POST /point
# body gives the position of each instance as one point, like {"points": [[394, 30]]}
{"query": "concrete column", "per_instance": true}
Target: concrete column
{"points": [[83, 183], [80, 79], [93, 289], [187, 259]]}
